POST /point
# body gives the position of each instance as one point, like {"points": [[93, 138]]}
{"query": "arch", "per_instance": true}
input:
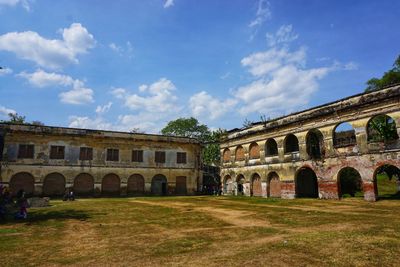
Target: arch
{"points": [[315, 144], [135, 185], [228, 185], [24, 181], [306, 183], [349, 182], [387, 182], [54, 184], [240, 180], [110, 185], [344, 135], [256, 187], [239, 153], [381, 128], [159, 185], [273, 185], [254, 151], [291, 143], [271, 147], [84, 184], [226, 155]]}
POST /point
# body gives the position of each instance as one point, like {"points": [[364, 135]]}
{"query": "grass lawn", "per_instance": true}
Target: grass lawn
{"points": [[205, 231]]}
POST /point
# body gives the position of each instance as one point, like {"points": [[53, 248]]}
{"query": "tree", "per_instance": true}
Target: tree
{"points": [[389, 78], [190, 127], [15, 118]]}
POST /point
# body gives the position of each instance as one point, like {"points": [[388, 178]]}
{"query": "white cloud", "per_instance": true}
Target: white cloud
{"points": [[204, 105], [5, 71], [122, 51], [12, 3], [79, 94], [263, 14], [284, 35], [118, 93], [103, 109], [5, 111], [49, 53], [168, 3]]}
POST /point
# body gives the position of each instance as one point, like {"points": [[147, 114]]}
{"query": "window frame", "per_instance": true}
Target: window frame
{"points": [[112, 154], [159, 156], [84, 153], [26, 153], [181, 157], [57, 152], [137, 155]]}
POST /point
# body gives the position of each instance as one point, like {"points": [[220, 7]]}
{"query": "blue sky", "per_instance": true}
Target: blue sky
{"points": [[122, 65]]}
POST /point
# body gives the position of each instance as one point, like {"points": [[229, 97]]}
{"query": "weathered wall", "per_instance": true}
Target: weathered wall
{"points": [[364, 156]]}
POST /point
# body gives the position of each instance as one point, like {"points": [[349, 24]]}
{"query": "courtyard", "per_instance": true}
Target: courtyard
{"points": [[205, 230]]}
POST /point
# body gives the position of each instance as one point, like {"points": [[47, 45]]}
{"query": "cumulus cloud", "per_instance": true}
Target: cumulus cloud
{"points": [[103, 109], [204, 105], [49, 53], [168, 3], [5, 111], [79, 94], [12, 3], [263, 13], [5, 71]]}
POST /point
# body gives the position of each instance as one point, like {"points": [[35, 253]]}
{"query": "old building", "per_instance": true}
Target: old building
{"points": [[309, 153], [45, 160]]}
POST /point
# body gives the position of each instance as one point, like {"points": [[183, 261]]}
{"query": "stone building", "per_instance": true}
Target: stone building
{"points": [[45, 160], [307, 154]]}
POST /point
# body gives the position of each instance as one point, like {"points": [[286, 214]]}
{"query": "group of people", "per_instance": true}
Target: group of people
{"points": [[7, 204], [215, 190]]}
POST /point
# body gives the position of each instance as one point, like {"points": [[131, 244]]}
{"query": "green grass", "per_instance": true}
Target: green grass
{"points": [[213, 231]]}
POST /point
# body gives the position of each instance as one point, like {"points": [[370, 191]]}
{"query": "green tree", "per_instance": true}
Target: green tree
{"points": [[15, 118], [190, 127], [390, 77]]}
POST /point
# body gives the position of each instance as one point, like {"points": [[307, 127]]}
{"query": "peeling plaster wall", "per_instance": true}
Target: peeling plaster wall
{"points": [[365, 156]]}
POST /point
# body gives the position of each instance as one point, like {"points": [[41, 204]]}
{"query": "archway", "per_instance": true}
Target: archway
{"points": [[110, 185], [291, 143], [306, 183], [274, 185], [84, 184], [315, 144], [135, 185], [254, 151], [382, 128], [159, 185], [239, 153], [227, 155], [271, 147], [240, 184], [350, 183], [387, 182], [344, 135], [24, 181], [228, 186], [256, 187], [54, 184]]}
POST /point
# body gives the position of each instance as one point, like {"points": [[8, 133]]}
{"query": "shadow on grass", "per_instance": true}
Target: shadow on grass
{"points": [[389, 196]]}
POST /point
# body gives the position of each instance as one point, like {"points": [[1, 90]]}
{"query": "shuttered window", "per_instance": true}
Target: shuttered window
{"points": [[25, 152], [112, 154], [57, 152], [137, 155], [86, 153], [181, 157], [160, 157]]}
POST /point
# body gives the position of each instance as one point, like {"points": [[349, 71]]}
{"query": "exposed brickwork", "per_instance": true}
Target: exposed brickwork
{"points": [[328, 189], [256, 186], [254, 152], [239, 155]]}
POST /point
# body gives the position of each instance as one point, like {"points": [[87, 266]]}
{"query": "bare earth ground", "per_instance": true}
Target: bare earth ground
{"points": [[211, 231]]}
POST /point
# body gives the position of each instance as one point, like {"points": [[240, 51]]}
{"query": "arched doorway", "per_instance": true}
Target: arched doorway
{"points": [[350, 183], [54, 184], [159, 185], [228, 185], [24, 181], [256, 187], [240, 184], [110, 185], [274, 185], [315, 144], [135, 185], [84, 185], [387, 182], [227, 155], [306, 183]]}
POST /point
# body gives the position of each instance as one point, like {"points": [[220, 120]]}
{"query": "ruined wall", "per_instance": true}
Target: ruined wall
{"points": [[71, 166], [364, 156]]}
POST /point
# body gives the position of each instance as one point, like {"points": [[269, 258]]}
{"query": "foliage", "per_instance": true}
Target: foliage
{"points": [[382, 128], [247, 123], [136, 130], [18, 119], [390, 77], [190, 127]]}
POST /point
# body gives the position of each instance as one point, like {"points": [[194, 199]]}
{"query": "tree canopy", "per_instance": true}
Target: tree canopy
{"points": [[190, 127], [19, 119], [390, 77]]}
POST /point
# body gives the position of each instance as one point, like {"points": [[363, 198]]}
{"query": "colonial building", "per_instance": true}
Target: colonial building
{"points": [[308, 154], [46, 160]]}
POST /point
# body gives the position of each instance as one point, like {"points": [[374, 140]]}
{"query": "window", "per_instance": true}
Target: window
{"points": [[160, 157], [181, 157], [112, 154], [86, 153], [25, 152], [57, 152], [137, 155]]}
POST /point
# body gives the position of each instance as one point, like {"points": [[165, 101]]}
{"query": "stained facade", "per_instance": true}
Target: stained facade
{"points": [[307, 153], [44, 161]]}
